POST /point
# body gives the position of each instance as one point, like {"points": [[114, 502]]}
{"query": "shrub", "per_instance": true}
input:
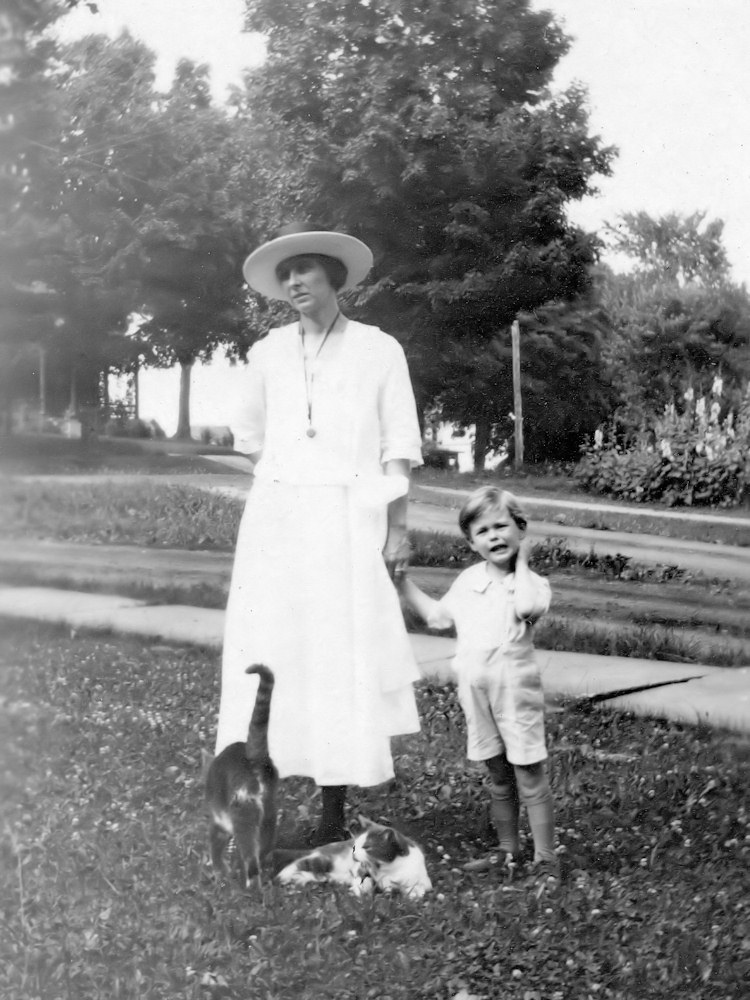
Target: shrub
{"points": [[131, 428], [438, 548], [692, 457]]}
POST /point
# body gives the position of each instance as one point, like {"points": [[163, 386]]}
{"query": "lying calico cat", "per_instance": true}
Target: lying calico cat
{"points": [[379, 858], [241, 791]]}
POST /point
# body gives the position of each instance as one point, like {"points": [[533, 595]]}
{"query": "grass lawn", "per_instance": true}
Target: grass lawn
{"points": [[146, 513], [150, 512], [105, 890], [602, 603], [49, 454]]}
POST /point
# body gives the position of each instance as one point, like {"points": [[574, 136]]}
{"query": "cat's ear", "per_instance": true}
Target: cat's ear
{"points": [[399, 841], [365, 823]]}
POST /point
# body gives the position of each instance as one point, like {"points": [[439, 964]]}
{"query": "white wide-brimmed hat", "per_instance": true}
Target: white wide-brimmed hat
{"points": [[294, 241]]}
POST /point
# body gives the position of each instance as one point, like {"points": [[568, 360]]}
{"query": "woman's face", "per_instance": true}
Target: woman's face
{"points": [[306, 283]]}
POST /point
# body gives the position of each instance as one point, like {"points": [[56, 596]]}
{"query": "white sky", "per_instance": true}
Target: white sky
{"points": [[668, 84]]}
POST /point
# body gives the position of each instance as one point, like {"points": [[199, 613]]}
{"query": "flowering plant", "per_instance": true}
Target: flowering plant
{"points": [[690, 456]]}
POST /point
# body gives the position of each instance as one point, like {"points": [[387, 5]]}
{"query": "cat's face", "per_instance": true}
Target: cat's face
{"points": [[379, 845]]}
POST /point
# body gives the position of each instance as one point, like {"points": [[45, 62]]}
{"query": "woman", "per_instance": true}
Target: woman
{"points": [[330, 422]]}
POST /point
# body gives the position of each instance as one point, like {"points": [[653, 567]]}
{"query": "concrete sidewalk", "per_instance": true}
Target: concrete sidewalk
{"points": [[688, 693]]}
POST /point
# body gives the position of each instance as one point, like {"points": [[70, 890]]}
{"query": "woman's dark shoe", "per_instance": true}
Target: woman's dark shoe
{"points": [[325, 834]]}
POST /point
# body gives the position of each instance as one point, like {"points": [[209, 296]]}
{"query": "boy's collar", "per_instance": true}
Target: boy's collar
{"points": [[484, 578]]}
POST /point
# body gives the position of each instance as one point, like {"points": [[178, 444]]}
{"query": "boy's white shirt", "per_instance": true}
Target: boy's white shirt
{"points": [[470, 605]]}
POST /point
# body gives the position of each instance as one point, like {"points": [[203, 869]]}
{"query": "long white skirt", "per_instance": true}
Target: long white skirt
{"points": [[311, 598]]}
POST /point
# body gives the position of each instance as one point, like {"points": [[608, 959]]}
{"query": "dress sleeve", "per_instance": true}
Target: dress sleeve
{"points": [[249, 423], [399, 427]]}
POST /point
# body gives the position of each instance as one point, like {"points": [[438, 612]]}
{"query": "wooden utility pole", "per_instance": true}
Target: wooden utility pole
{"points": [[515, 338], [42, 383]]}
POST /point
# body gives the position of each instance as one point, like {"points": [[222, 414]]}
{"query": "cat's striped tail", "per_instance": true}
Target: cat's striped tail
{"points": [[256, 745]]}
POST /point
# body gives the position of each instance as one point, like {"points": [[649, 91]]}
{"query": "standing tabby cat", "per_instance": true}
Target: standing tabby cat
{"points": [[241, 790]]}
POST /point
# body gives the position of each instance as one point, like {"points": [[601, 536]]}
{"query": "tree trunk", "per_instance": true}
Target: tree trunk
{"points": [[183, 420], [73, 400], [481, 442]]}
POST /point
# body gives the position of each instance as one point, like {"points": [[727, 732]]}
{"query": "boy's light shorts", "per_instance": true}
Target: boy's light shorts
{"points": [[502, 699]]}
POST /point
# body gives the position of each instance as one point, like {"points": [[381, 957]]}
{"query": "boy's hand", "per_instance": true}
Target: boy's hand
{"points": [[524, 550]]}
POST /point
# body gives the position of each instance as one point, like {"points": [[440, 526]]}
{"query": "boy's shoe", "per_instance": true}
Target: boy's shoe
{"points": [[544, 875], [497, 861]]}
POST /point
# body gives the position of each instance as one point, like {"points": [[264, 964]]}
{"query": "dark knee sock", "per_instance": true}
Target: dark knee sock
{"points": [[536, 795], [504, 802], [504, 814], [542, 823]]}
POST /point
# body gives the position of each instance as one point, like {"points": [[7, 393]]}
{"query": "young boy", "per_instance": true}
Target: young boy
{"points": [[493, 606]]}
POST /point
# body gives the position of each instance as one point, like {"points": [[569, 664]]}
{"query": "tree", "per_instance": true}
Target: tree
{"points": [[564, 396], [427, 129], [673, 247], [151, 212], [677, 320], [191, 237], [27, 302], [65, 224]]}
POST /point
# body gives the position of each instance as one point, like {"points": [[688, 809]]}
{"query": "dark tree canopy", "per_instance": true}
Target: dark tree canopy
{"points": [[42, 300], [427, 129]]}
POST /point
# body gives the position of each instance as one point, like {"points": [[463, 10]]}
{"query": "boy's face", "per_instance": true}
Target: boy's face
{"points": [[496, 537]]}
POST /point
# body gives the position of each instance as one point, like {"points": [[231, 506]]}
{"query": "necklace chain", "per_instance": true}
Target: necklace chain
{"points": [[310, 376]]}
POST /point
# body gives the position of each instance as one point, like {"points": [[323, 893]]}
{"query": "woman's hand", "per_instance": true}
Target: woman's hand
{"points": [[397, 553], [397, 550]]}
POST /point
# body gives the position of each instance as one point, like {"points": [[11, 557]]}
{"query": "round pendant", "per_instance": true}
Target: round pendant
{"points": [[310, 432]]}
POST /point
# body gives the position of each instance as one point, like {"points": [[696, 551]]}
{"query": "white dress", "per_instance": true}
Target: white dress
{"points": [[310, 594]]}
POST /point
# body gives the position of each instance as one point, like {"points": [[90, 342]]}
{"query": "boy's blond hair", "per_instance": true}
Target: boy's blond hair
{"points": [[485, 498]]}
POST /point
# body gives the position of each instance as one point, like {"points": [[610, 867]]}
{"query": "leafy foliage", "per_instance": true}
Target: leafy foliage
{"points": [[674, 248], [561, 365], [84, 170], [33, 298], [105, 886], [676, 320], [179, 215], [690, 458], [134, 202], [428, 130]]}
